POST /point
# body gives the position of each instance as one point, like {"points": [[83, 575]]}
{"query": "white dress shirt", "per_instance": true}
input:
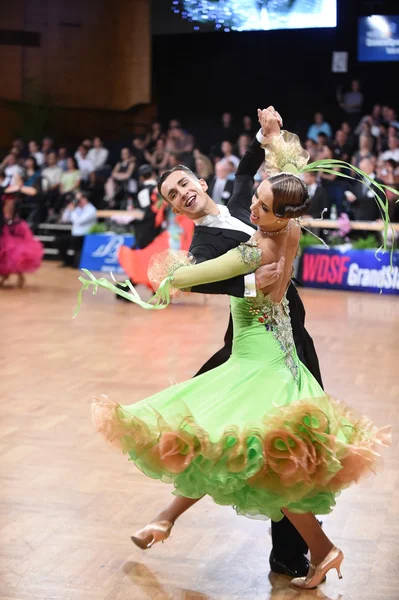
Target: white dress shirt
{"points": [[217, 192], [390, 155], [312, 189], [224, 220], [82, 219], [51, 176], [39, 157], [85, 168], [98, 157]]}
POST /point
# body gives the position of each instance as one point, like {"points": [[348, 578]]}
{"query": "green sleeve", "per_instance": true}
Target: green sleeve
{"points": [[239, 261]]}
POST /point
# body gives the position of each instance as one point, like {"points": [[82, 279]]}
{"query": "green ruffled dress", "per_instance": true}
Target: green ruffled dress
{"points": [[257, 433]]}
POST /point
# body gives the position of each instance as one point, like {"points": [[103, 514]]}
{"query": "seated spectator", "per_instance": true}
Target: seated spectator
{"points": [[248, 127], [62, 158], [374, 120], [391, 117], [203, 166], [231, 165], [318, 195], [10, 168], [332, 184], [51, 179], [393, 149], [69, 184], [32, 173], [351, 101], [98, 155], [138, 149], [319, 126], [322, 142], [221, 187], [382, 139], [388, 172], [340, 146], [243, 144], [178, 140], [365, 150], [117, 185], [34, 151], [312, 148], [364, 127], [363, 206], [85, 166], [82, 214], [227, 131], [227, 154], [47, 146], [154, 135], [173, 160], [351, 139], [158, 159], [19, 145]]}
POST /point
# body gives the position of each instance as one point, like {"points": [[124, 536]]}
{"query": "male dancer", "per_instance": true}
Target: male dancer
{"points": [[219, 229]]}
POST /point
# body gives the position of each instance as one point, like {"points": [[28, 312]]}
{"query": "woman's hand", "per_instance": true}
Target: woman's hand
{"points": [[266, 275], [270, 121]]}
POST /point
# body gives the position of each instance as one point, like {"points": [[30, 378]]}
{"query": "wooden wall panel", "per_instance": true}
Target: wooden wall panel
{"points": [[94, 53]]}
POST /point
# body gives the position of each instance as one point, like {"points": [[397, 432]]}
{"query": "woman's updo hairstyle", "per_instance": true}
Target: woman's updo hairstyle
{"points": [[290, 196]]}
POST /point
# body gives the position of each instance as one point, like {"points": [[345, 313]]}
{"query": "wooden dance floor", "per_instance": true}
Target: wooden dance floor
{"points": [[69, 502]]}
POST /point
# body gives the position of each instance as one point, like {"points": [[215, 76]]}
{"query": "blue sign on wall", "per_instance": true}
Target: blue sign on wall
{"points": [[378, 38], [100, 251], [356, 270]]}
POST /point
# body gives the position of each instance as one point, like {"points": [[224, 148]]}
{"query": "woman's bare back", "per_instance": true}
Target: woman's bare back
{"points": [[275, 247]]}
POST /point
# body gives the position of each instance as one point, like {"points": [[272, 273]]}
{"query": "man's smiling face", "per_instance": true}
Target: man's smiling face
{"points": [[186, 194]]}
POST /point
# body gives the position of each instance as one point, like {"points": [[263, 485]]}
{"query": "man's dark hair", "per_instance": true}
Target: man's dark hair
{"points": [[85, 194], [166, 174], [145, 171]]}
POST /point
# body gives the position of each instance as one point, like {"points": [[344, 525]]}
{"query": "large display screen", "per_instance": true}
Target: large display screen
{"points": [[183, 16], [378, 38]]}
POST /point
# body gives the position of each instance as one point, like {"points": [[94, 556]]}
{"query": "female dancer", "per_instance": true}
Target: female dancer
{"points": [[257, 433], [20, 253]]}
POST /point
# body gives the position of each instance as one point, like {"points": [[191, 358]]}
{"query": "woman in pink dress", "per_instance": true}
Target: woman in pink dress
{"points": [[20, 252]]}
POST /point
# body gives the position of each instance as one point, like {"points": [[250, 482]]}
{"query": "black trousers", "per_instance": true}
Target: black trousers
{"points": [[70, 242], [288, 545]]}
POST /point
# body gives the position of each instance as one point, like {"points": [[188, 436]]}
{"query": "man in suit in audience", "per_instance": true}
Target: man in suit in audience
{"points": [[219, 229], [363, 207], [318, 195], [221, 187]]}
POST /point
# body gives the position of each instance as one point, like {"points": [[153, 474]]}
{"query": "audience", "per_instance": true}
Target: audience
{"points": [[57, 179]]}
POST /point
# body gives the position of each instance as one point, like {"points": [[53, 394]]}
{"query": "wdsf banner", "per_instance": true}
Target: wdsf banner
{"points": [[378, 38], [358, 270], [100, 251]]}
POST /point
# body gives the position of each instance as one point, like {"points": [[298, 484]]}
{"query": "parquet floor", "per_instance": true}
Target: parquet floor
{"points": [[68, 502]]}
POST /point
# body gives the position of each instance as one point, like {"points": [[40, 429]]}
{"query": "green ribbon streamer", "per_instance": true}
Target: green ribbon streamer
{"points": [[159, 301], [330, 165]]}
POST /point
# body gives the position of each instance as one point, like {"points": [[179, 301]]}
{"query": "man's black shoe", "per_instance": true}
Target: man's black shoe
{"points": [[294, 568]]}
